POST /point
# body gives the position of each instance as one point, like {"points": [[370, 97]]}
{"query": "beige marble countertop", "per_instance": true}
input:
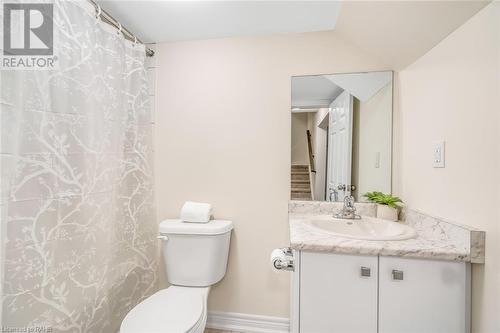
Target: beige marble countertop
{"points": [[436, 238]]}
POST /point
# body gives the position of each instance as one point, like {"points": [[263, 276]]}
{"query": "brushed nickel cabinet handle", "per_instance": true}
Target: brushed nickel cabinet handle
{"points": [[397, 275]]}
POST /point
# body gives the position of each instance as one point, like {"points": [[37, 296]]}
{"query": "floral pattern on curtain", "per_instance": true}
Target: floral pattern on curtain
{"points": [[77, 206]]}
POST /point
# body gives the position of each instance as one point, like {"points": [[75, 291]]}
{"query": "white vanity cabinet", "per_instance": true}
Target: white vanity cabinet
{"points": [[418, 295], [340, 293]]}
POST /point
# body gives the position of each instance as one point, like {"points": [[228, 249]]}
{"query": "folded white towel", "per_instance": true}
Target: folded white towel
{"points": [[196, 212]]}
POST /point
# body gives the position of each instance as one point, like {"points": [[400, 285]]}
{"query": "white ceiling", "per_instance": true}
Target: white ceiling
{"points": [[313, 91], [317, 91], [166, 21], [363, 86], [396, 33]]}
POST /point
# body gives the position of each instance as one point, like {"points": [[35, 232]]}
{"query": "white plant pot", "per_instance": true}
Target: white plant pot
{"points": [[387, 213]]}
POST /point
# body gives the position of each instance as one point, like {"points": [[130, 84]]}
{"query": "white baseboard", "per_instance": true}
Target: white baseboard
{"points": [[247, 323]]}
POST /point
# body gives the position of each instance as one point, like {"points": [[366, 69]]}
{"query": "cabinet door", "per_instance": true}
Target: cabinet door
{"points": [[335, 297], [422, 296]]}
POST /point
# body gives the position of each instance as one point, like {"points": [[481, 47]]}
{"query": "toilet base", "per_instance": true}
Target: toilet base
{"points": [[176, 309]]}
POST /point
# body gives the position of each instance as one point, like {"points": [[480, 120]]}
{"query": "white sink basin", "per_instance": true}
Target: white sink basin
{"points": [[366, 228]]}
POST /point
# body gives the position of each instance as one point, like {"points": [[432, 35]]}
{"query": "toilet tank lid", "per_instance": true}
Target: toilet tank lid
{"points": [[213, 227]]}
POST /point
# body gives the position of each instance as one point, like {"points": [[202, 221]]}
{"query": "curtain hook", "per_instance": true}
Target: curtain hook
{"points": [[135, 40], [119, 28], [99, 12]]}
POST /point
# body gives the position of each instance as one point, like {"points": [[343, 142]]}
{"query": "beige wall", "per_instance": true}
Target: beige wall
{"points": [[223, 136], [300, 122], [452, 93], [375, 135], [240, 162]]}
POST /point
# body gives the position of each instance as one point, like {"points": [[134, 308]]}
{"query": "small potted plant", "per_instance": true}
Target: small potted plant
{"points": [[387, 205]]}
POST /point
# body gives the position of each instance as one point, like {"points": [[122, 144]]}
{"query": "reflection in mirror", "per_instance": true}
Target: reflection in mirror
{"points": [[341, 135]]}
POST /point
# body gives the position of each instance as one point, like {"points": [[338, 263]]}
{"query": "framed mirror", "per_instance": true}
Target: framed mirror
{"points": [[341, 140]]}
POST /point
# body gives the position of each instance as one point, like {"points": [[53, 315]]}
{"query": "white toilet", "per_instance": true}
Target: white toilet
{"points": [[195, 258]]}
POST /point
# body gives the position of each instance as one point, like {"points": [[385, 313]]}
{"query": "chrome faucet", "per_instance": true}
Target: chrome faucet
{"points": [[348, 212]]}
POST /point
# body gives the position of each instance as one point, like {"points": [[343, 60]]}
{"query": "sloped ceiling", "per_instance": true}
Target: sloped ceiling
{"points": [[168, 21], [362, 85], [396, 33], [399, 32], [313, 91], [318, 91]]}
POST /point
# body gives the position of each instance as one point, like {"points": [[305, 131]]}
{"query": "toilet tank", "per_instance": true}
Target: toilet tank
{"points": [[195, 254]]}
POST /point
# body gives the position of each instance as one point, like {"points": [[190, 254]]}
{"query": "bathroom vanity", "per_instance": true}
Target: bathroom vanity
{"points": [[364, 274], [353, 293], [420, 284]]}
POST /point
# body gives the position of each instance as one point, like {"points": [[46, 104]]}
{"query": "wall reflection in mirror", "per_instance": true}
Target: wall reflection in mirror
{"points": [[341, 135]]}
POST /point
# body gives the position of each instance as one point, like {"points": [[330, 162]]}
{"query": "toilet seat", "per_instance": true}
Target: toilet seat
{"points": [[172, 310]]}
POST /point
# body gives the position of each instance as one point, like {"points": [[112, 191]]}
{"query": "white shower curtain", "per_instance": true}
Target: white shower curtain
{"points": [[77, 207]]}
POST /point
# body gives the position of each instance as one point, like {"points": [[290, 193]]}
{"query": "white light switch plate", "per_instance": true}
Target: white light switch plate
{"points": [[438, 155]]}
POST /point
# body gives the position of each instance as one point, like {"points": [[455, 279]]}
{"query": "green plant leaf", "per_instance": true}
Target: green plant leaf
{"points": [[383, 199]]}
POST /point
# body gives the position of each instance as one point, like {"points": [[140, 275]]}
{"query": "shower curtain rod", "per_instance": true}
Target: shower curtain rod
{"points": [[107, 18]]}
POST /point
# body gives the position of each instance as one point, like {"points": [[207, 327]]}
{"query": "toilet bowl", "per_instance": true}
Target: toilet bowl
{"points": [[172, 310], [195, 258]]}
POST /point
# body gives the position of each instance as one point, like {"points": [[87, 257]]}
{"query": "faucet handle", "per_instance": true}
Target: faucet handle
{"points": [[348, 211], [349, 201]]}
